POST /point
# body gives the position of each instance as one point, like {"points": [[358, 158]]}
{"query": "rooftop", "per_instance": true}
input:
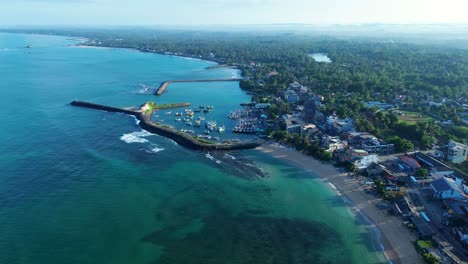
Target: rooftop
{"points": [[414, 164]]}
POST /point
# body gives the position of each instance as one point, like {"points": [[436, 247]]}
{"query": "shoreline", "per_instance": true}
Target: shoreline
{"points": [[394, 239]]}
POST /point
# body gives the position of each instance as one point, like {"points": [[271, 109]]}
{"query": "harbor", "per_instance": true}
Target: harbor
{"points": [[199, 142]]}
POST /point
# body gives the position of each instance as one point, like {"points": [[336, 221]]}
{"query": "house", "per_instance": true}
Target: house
{"points": [[409, 163], [291, 96], [423, 230], [339, 125], [438, 169], [295, 86], [448, 188], [380, 105], [359, 157], [331, 144], [343, 125], [262, 105], [309, 130], [294, 123], [456, 152], [457, 207]]}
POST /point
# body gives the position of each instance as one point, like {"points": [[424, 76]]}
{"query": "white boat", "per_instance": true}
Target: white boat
{"points": [[221, 129], [211, 125], [209, 156], [218, 161]]}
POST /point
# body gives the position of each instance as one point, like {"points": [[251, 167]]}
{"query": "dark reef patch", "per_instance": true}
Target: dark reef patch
{"points": [[246, 239]]}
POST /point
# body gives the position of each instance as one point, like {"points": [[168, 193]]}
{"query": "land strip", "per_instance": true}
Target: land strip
{"points": [[165, 84]]}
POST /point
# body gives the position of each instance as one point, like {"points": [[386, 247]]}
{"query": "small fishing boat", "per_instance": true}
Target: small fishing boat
{"points": [[221, 129], [207, 132], [211, 125], [178, 119], [188, 123], [218, 161], [209, 156]]}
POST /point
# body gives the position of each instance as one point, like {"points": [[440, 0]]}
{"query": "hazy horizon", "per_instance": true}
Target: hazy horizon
{"points": [[231, 12]]}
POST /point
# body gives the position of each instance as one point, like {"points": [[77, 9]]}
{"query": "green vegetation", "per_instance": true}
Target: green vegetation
{"points": [[300, 143], [423, 244], [422, 247], [430, 258], [153, 106], [425, 82], [422, 173], [413, 117]]}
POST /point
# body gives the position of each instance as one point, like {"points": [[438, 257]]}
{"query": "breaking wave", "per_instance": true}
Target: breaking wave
{"points": [[136, 137]]}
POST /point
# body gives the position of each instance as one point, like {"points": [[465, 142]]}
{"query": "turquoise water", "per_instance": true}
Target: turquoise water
{"points": [[83, 186]]}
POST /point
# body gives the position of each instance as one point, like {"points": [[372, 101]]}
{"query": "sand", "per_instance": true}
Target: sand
{"points": [[394, 237]]}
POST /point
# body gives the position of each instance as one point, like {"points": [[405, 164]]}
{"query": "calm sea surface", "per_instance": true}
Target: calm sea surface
{"points": [[84, 186]]}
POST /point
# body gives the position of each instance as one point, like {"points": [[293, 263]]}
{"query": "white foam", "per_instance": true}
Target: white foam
{"points": [[136, 137], [136, 121], [156, 150]]}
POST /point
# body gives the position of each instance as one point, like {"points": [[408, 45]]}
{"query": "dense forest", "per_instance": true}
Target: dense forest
{"points": [[362, 69]]}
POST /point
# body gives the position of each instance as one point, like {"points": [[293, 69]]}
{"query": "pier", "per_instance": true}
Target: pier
{"points": [[165, 84], [180, 138]]}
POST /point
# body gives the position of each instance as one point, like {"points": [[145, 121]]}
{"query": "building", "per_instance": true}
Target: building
{"points": [[409, 163], [456, 152], [437, 168], [359, 157], [380, 105], [262, 105], [295, 85], [423, 230], [294, 123], [339, 125], [309, 130], [343, 125], [448, 188], [291, 96], [331, 144]]}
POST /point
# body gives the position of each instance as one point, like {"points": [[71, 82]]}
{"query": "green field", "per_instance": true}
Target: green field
{"points": [[413, 117]]}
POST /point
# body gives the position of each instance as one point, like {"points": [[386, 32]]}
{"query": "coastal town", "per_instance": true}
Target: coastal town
{"points": [[430, 196], [390, 138]]}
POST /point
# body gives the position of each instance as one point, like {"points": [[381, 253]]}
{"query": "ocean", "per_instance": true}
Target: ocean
{"points": [[85, 186]]}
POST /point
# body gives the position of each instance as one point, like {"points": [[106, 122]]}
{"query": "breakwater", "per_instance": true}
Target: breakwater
{"points": [[180, 138], [165, 84]]}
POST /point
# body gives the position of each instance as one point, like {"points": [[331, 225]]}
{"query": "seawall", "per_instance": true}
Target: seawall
{"points": [[180, 138]]}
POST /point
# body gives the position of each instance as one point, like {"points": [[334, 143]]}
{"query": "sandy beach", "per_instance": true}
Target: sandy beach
{"points": [[394, 237]]}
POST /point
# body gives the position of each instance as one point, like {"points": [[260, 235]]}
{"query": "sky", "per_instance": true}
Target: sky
{"points": [[229, 12]]}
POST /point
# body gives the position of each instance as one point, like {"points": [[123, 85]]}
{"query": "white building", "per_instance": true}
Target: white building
{"points": [[456, 152], [447, 188]]}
